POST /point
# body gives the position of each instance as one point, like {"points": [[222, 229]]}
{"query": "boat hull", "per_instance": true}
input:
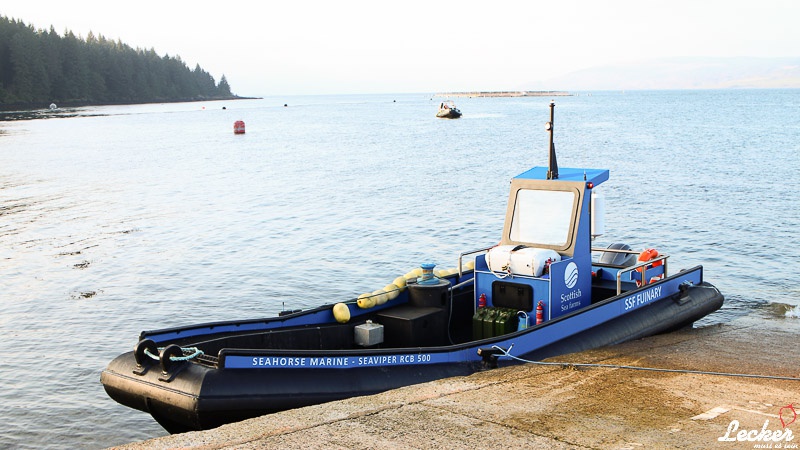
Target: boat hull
{"points": [[209, 397], [251, 383], [449, 114]]}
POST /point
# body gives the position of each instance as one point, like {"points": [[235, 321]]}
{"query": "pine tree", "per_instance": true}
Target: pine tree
{"points": [[223, 89]]}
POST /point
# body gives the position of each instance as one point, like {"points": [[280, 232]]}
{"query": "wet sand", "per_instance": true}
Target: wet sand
{"points": [[566, 405]]}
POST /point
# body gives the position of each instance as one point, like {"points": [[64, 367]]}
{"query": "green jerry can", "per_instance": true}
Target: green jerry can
{"points": [[505, 322], [477, 323], [488, 321]]}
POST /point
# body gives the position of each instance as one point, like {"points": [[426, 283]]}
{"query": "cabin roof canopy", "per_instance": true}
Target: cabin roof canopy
{"points": [[595, 176]]}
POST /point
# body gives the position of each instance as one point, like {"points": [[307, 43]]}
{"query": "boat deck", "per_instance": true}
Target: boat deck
{"points": [[405, 326]]}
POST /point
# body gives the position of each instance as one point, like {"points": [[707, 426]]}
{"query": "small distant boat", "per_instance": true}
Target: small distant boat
{"points": [[448, 110], [53, 106]]}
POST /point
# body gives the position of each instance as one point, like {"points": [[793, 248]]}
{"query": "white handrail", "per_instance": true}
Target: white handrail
{"points": [[644, 271]]}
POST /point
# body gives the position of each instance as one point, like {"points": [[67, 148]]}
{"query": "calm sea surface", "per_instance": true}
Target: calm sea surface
{"points": [[118, 219]]}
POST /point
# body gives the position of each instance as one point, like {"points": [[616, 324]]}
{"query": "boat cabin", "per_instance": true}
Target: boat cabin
{"points": [[544, 254]]}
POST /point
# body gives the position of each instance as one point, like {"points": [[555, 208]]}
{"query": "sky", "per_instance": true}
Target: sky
{"points": [[295, 47]]}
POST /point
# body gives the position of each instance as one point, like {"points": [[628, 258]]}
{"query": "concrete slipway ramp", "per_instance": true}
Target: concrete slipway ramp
{"points": [[569, 405]]}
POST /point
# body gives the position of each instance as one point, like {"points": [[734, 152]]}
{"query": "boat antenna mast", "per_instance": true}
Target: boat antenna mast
{"points": [[552, 165]]}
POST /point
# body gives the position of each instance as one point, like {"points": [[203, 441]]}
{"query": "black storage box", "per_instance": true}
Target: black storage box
{"points": [[512, 295], [413, 326]]}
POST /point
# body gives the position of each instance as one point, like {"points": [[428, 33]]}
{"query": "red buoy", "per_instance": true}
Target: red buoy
{"points": [[238, 127]]}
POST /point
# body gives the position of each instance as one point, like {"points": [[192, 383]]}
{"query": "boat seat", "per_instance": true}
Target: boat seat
{"points": [[520, 260]]}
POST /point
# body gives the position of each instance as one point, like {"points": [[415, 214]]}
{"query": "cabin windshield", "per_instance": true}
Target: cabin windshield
{"points": [[543, 217]]}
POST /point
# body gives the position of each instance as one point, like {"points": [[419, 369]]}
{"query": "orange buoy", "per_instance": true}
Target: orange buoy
{"points": [[648, 255], [238, 127]]}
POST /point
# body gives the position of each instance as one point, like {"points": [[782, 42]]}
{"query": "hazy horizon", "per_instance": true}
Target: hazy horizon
{"points": [[315, 47]]}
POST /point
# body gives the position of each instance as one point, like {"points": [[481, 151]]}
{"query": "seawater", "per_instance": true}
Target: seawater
{"points": [[119, 219]]}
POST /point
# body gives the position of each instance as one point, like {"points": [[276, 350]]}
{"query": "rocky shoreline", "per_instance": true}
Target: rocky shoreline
{"points": [[39, 106]]}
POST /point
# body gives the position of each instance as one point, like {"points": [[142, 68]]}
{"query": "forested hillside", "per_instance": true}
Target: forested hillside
{"points": [[39, 67]]}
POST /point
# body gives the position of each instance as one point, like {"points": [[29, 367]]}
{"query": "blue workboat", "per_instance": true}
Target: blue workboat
{"points": [[542, 291]]}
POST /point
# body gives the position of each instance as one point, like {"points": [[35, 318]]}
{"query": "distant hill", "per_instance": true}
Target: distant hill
{"points": [[683, 73]]}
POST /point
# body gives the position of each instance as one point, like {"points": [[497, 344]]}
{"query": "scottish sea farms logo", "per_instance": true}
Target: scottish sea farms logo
{"points": [[571, 275]]}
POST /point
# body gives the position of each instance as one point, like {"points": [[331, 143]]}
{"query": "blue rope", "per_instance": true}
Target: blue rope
{"points": [[508, 354]]}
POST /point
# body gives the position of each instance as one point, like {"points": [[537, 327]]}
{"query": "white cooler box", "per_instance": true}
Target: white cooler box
{"points": [[519, 260]]}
